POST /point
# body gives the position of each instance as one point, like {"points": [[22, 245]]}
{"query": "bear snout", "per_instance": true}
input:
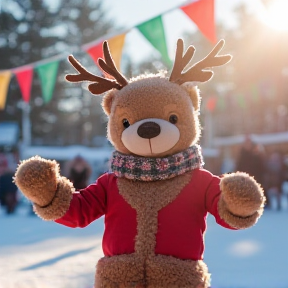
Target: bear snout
{"points": [[150, 136], [149, 130]]}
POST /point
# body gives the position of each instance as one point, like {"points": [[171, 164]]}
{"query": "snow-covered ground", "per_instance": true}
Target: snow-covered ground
{"points": [[38, 254]]}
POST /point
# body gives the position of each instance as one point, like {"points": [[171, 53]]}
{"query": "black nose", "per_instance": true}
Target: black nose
{"points": [[148, 130]]}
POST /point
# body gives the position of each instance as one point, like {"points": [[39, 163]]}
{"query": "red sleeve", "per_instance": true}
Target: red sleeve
{"points": [[212, 196], [87, 204]]}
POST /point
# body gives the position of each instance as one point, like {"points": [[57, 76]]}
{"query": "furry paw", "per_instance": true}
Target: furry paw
{"points": [[242, 195], [37, 178]]}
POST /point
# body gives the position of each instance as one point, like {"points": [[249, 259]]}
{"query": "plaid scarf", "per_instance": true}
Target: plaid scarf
{"points": [[153, 169]]}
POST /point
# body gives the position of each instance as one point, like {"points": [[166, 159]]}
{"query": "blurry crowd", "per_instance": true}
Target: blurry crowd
{"points": [[8, 190], [77, 170], [269, 168]]}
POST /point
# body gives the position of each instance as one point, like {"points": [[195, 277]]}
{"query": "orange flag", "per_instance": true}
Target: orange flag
{"points": [[202, 14], [116, 46], [4, 85]]}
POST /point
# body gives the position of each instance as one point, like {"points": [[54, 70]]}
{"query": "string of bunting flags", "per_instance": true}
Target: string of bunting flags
{"points": [[247, 97], [201, 12]]}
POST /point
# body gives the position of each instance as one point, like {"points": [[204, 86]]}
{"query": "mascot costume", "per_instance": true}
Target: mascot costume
{"points": [[156, 195]]}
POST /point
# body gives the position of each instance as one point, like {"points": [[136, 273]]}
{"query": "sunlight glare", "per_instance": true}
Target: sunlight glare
{"points": [[275, 15]]}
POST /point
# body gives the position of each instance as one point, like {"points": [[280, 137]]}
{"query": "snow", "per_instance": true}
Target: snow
{"points": [[264, 139], [252, 258], [38, 254]]}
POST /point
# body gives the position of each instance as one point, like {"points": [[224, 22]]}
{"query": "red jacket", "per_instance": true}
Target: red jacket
{"points": [[181, 224]]}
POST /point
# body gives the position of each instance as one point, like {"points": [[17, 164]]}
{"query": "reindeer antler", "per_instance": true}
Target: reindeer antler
{"points": [[201, 71], [109, 67], [102, 84]]}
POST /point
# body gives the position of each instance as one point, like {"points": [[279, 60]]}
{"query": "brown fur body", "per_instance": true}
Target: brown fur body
{"points": [[143, 268]]}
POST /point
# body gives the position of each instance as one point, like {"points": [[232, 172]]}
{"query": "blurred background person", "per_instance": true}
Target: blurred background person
{"points": [[252, 161], [8, 190], [285, 180], [274, 177], [284, 187], [78, 172], [228, 163]]}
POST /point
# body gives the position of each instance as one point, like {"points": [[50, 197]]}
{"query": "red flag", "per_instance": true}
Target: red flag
{"points": [[211, 103], [24, 78], [96, 52], [202, 14]]}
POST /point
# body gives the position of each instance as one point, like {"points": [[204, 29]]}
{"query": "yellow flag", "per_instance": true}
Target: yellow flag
{"points": [[116, 45], [4, 85]]}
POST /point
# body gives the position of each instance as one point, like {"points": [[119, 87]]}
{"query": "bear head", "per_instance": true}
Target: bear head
{"points": [[151, 115]]}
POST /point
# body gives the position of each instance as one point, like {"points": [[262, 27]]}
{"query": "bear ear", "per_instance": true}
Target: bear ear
{"points": [[107, 101], [194, 94]]}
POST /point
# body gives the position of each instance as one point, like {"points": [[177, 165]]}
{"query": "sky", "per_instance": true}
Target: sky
{"points": [[129, 13]]}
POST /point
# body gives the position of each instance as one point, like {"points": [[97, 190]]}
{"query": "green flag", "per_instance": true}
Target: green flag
{"points": [[153, 31], [221, 104], [255, 92], [241, 101], [48, 73]]}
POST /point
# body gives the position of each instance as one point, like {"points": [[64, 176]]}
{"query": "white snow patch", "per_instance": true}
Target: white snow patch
{"points": [[245, 248]]}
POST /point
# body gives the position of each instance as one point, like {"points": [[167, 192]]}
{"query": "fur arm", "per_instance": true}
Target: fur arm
{"points": [[242, 200], [59, 204], [39, 180]]}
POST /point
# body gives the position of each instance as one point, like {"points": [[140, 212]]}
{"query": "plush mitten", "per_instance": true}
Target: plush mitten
{"points": [[39, 180], [242, 200]]}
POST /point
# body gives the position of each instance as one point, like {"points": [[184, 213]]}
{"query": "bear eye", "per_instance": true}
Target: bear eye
{"points": [[126, 123], [173, 119]]}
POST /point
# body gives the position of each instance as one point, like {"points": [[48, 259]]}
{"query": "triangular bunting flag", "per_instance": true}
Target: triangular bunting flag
{"points": [[202, 14], [255, 92], [116, 46], [211, 103], [153, 31], [48, 73], [24, 78], [221, 103], [4, 85], [96, 52], [241, 101]]}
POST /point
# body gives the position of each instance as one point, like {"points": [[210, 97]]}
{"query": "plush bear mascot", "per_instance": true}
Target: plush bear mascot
{"points": [[156, 196]]}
